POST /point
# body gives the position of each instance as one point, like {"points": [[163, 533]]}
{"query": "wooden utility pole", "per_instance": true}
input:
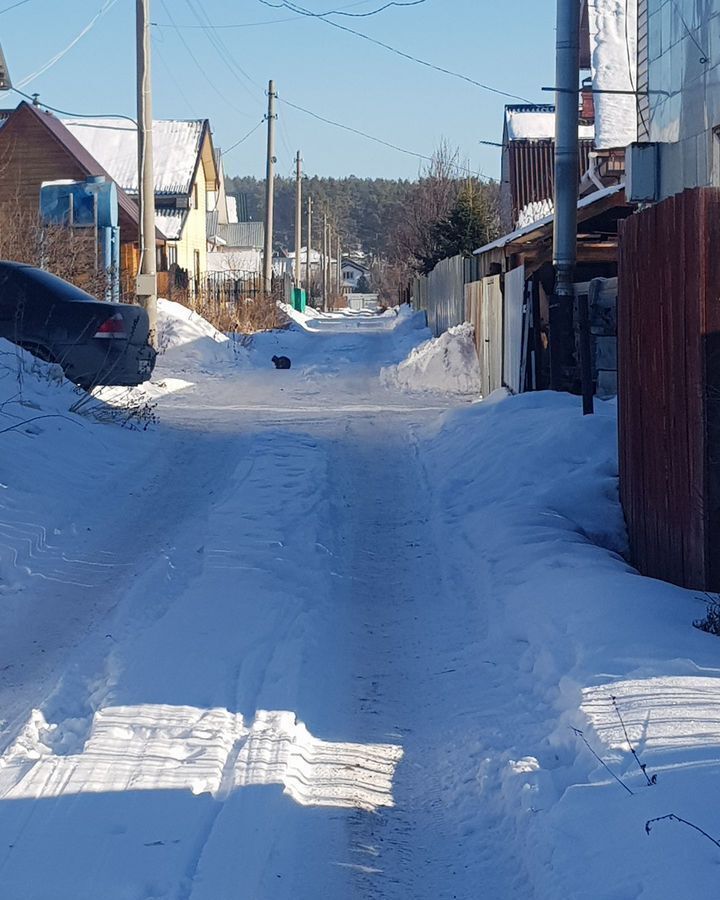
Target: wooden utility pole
{"points": [[324, 262], [269, 189], [338, 279], [308, 270], [298, 220], [146, 287]]}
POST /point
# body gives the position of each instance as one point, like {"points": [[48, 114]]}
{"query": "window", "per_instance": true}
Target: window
{"points": [[196, 268], [172, 254], [195, 204]]}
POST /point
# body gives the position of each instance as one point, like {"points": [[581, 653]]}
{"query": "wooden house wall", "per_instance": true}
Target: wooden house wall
{"points": [[30, 155]]}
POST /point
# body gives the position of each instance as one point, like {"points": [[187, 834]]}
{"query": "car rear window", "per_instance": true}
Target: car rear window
{"points": [[55, 285]]}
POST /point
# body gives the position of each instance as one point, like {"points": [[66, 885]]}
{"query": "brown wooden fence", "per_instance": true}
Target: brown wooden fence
{"points": [[669, 387]]}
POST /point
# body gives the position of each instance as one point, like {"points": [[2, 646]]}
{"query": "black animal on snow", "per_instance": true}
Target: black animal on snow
{"points": [[281, 362]]}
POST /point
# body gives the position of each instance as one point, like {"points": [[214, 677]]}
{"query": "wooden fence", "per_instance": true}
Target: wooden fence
{"points": [[499, 315], [669, 387]]}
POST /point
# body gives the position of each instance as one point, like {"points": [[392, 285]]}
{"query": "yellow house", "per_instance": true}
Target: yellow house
{"points": [[185, 172]]}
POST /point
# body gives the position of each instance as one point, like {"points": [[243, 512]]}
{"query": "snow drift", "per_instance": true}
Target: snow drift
{"points": [[601, 661], [447, 365], [187, 342]]}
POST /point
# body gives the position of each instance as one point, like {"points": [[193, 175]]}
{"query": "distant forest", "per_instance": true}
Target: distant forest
{"points": [[366, 211]]}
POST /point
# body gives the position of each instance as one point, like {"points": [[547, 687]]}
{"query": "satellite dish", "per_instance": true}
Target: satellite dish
{"points": [[5, 83]]}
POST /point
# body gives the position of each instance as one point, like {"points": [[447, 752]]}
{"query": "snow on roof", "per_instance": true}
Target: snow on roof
{"points": [[536, 209], [546, 220], [536, 123], [171, 222], [613, 30], [314, 254], [353, 264], [113, 142]]}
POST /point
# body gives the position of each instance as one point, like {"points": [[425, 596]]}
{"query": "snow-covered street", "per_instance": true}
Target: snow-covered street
{"points": [[315, 635]]}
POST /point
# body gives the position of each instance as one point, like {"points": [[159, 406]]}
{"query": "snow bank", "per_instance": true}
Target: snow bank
{"points": [[27, 383], [54, 453], [529, 486], [300, 318], [447, 365], [613, 31], [190, 343]]}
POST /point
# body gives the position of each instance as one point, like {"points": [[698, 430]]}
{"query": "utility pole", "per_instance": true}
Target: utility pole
{"points": [[338, 285], [308, 271], [298, 220], [147, 276], [269, 189], [324, 263], [567, 78]]}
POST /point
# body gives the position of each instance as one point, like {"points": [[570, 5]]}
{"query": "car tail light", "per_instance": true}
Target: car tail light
{"points": [[114, 327]]}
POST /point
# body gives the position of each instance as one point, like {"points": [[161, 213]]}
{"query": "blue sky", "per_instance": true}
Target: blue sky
{"points": [[337, 75]]}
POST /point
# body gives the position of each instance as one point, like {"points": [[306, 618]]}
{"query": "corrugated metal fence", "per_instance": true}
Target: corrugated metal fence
{"points": [[442, 293], [669, 387]]}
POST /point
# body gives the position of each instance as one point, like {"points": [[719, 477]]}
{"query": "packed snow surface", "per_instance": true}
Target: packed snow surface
{"points": [[448, 364], [312, 631]]}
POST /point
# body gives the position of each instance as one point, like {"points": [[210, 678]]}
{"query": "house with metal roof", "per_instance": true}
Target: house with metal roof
{"points": [[234, 247], [527, 177], [185, 175], [35, 148]]}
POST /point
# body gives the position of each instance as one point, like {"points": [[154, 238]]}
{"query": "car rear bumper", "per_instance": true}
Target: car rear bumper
{"points": [[108, 362]]}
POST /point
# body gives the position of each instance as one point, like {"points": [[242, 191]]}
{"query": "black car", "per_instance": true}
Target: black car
{"points": [[94, 341]]}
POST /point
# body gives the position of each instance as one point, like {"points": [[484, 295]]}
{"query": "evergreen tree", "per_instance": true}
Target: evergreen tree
{"points": [[362, 286], [472, 222]]}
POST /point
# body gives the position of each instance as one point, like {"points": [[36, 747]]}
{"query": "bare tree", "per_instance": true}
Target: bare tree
{"points": [[415, 241]]}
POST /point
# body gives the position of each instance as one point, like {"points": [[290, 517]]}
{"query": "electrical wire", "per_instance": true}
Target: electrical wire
{"points": [[704, 57], [171, 74], [423, 62], [36, 101], [373, 12], [378, 140], [194, 58], [14, 6], [58, 56], [221, 48], [250, 24], [243, 139]]}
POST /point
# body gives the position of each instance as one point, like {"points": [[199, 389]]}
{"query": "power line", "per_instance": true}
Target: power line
{"points": [[35, 100], [252, 24], [377, 140], [183, 96], [236, 25], [58, 56], [197, 63], [423, 62], [704, 56], [339, 12], [14, 6], [221, 48], [244, 138]]}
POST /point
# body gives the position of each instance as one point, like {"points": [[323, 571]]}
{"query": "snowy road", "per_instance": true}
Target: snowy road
{"points": [[318, 635], [272, 614]]}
